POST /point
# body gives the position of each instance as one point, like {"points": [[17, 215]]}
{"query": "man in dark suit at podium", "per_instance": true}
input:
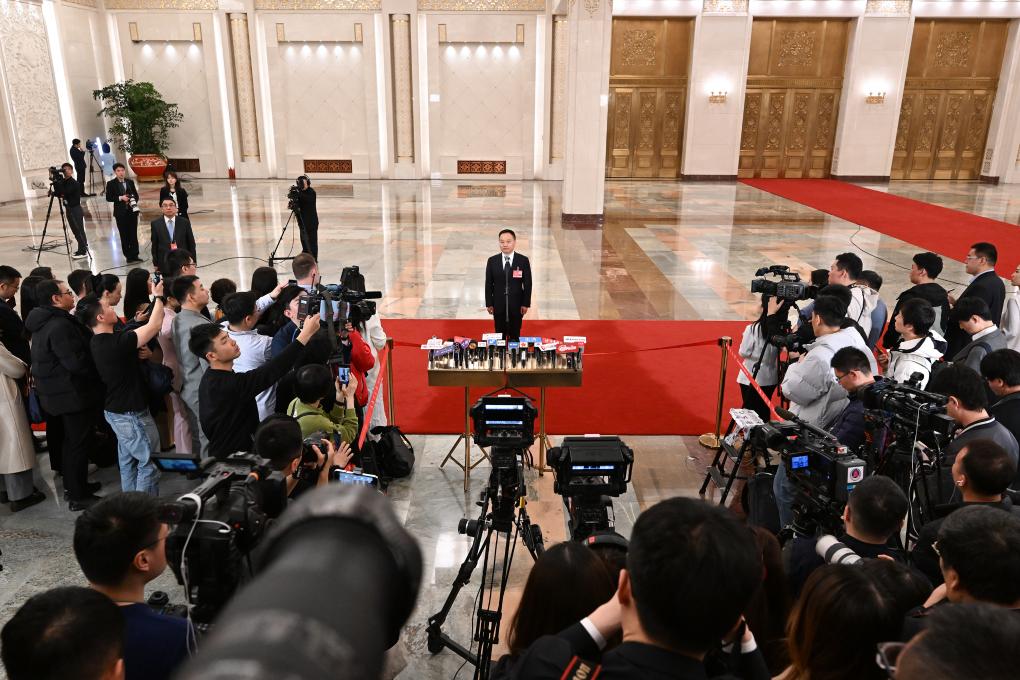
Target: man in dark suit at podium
{"points": [[170, 231], [120, 191], [508, 286]]}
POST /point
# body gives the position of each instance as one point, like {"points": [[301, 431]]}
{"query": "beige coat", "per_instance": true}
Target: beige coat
{"points": [[16, 451]]}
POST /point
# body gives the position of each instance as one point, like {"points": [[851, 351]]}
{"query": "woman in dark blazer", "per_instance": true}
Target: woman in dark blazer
{"points": [[172, 189]]}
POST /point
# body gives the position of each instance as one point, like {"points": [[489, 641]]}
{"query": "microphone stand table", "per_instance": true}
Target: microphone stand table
{"points": [[501, 380]]}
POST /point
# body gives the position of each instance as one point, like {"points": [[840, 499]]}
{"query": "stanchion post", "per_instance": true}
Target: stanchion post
{"points": [[389, 380], [713, 440]]}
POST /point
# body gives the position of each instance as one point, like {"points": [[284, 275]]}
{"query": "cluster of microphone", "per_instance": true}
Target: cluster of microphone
{"points": [[493, 353]]}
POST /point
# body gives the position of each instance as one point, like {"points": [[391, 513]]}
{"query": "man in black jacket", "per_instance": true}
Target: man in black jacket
{"points": [[78, 158], [853, 373], [67, 382], [120, 191], [1001, 370], [985, 284], [227, 409], [692, 569], [309, 215], [925, 269], [12, 328], [170, 232], [508, 286], [70, 193]]}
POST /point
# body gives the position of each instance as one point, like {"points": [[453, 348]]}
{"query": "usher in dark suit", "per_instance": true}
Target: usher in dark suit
{"points": [[127, 219], [507, 289], [163, 243], [988, 287]]}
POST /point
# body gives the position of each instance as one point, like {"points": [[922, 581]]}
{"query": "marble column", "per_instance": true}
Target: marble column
{"points": [[403, 112], [244, 87], [560, 50], [866, 133], [1002, 149], [584, 178]]}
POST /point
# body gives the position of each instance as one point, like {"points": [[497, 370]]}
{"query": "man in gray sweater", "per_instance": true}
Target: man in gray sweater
{"points": [[974, 318], [193, 296]]}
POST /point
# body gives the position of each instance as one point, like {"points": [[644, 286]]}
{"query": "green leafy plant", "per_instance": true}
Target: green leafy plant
{"points": [[142, 120]]}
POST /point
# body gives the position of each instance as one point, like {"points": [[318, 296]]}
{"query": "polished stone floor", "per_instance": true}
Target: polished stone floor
{"points": [[667, 251]]}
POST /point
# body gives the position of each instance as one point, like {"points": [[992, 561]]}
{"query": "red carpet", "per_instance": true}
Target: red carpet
{"points": [[625, 392], [941, 230]]}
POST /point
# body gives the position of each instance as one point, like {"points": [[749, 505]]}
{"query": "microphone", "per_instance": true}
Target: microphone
{"points": [[787, 415]]}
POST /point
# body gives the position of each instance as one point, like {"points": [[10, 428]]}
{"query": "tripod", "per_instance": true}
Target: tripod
{"points": [[92, 172], [63, 223], [506, 520], [301, 229]]}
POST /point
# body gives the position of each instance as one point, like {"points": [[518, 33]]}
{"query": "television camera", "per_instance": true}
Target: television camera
{"points": [[589, 472], [908, 431], [789, 287], [822, 470]]}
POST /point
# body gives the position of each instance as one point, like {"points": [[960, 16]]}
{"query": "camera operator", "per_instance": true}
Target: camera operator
{"points": [[924, 269], [1001, 370], [968, 399], [846, 271], [853, 373], [78, 158], [309, 216], [982, 472], [313, 384], [69, 191], [122, 193], [873, 515], [972, 316], [761, 357], [69, 632], [280, 441], [229, 414], [810, 384], [920, 346], [679, 596], [120, 545]]}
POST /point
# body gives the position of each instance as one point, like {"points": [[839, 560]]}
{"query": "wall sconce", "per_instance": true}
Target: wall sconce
{"points": [[875, 98], [359, 37], [444, 40], [717, 97]]}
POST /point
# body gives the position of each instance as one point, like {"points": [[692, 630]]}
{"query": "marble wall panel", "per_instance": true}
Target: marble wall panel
{"points": [[86, 59]]}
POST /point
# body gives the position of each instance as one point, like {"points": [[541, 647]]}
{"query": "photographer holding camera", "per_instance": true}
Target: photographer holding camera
{"points": [[312, 384], [873, 515], [279, 440], [69, 190], [122, 193], [228, 412], [120, 545], [760, 356], [309, 216], [810, 384]]}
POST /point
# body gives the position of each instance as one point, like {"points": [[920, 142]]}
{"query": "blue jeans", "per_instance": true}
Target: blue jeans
{"points": [[784, 491], [137, 439]]}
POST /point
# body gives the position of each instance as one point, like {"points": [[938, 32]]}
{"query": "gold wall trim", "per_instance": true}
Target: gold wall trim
{"points": [[795, 83], [482, 5], [951, 83], [163, 4], [648, 81], [301, 5], [84, 3]]}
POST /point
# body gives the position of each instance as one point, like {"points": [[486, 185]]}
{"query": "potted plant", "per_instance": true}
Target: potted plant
{"points": [[142, 121]]}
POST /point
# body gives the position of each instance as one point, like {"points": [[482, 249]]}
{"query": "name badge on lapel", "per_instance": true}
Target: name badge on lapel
{"points": [[518, 274], [173, 245]]}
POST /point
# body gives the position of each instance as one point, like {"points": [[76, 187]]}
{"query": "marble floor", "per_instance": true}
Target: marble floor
{"points": [[667, 250]]}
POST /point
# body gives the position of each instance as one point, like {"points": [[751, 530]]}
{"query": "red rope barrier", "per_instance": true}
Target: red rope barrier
{"points": [[367, 416], [754, 383]]}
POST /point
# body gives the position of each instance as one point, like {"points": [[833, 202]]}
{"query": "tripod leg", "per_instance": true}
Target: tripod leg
{"points": [[46, 224], [272, 255]]}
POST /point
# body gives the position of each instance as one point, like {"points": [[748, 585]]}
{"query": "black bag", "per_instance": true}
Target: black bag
{"points": [[158, 378], [762, 510], [393, 451]]}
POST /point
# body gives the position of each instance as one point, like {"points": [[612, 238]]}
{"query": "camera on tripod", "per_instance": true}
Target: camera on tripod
{"points": [[789, 287], [347, 304], [905, 406], [294, 198], [589, 472], [56, 175], [504, 422], [215, 526], [822, 470]]}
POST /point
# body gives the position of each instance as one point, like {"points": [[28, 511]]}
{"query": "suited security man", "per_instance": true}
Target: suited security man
{"points": [[120, 191], [170, 232], [508, 286], [984, 284]]}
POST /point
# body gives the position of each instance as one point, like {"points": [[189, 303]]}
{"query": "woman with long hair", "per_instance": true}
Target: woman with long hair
{"points": [[137, 289], [173, 190], [760, 357]]}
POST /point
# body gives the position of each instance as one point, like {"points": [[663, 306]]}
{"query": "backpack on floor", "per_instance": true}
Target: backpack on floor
{"points": [[393, 451]]}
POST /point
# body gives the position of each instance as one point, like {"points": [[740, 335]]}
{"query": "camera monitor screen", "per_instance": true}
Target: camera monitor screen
{"points": [[799, 462], [341, 476], [178, 463]]}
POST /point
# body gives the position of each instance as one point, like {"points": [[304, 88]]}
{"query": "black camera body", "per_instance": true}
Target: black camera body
{"points": [[904, 405], [308, 469], [504, 422], [789, 287], [589, 472], [294, 198], [215, 526]]}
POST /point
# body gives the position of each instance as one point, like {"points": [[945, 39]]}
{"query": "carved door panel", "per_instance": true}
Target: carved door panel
{"points": [[644, 131], [788, 133], [941, 134]]}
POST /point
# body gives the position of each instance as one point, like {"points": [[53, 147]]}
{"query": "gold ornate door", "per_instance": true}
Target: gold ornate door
{"points": [[952, 76], [792, 97], [647, 97]]}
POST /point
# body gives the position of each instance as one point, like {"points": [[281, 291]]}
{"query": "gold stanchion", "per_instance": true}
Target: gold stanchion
{"points": [[714, 440], [389, 380]]}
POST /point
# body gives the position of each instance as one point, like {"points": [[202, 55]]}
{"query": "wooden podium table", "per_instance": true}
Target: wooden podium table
{"points": [[468, 378]]}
